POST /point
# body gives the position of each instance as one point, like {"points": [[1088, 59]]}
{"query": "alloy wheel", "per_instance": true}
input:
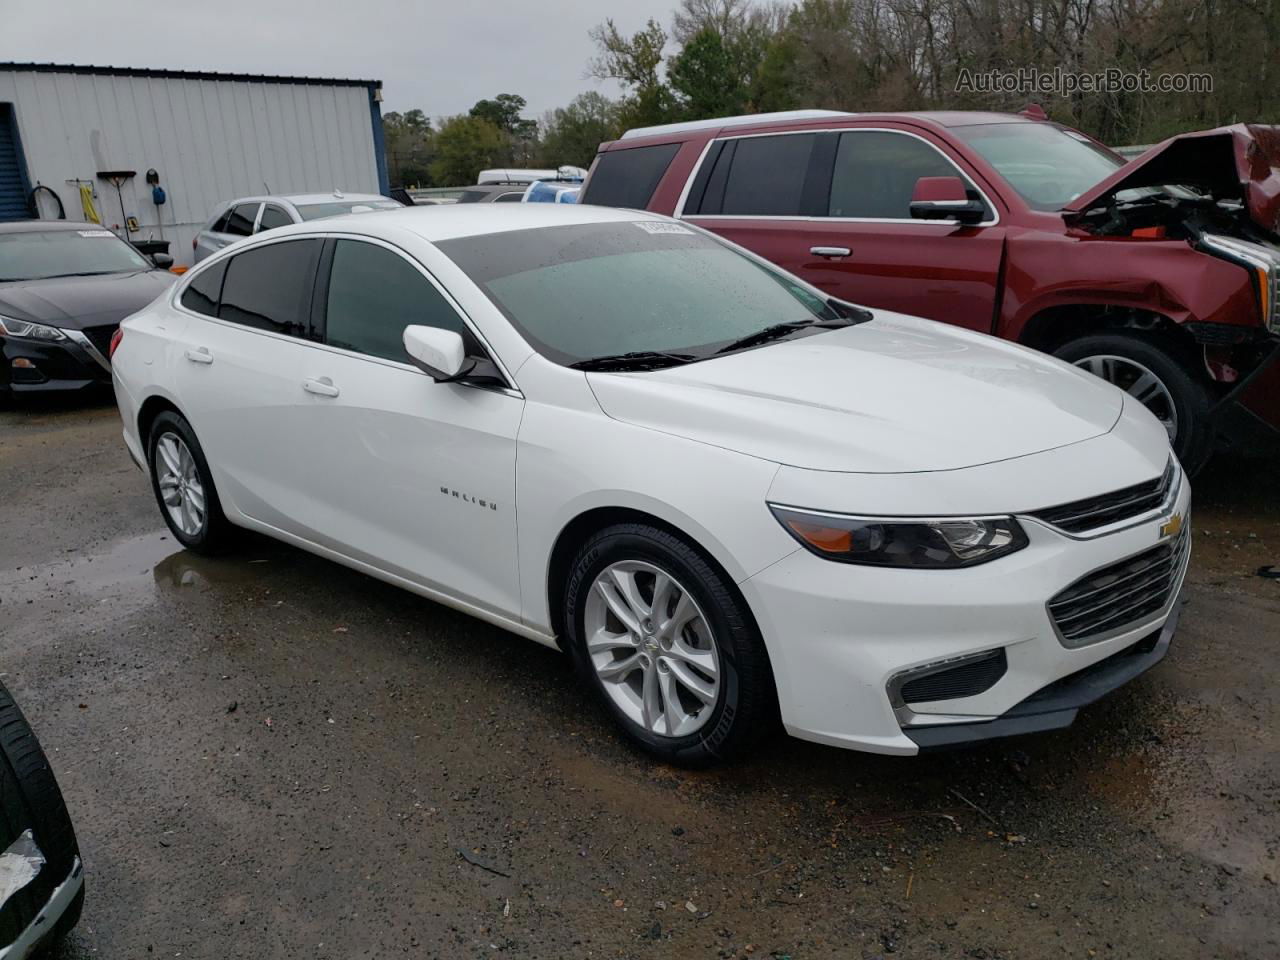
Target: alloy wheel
{"points": [[653, 650], [179, 482], [1139, 382]]}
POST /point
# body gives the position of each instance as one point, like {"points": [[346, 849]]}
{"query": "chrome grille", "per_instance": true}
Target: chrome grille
{"points": [[1082, 516], [1122, 595]]}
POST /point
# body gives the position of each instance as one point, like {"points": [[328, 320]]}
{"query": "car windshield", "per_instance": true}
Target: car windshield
{"points": [[40, 254], [1047, 165], [336, 208], [588, 291]]}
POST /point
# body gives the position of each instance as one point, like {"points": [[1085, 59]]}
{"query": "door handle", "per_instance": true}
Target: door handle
{"points": [[832, 252], [200, 355], [321, 387]]}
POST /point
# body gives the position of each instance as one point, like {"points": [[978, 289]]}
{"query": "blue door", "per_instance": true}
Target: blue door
{"points": [[13, 184]]}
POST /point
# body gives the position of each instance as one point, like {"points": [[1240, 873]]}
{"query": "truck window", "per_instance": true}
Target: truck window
{"points": [[876, 172], [627, 178], [758, 177]]}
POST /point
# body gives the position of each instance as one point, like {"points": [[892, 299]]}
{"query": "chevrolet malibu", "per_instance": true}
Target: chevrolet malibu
{"points": [[724, 494]]}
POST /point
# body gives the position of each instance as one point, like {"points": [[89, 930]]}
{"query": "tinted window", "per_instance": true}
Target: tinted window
{"points": [[627, 178], [240, 223], [509, 197], [270, 288], [374, 294], [876, 173], [766, 175], [202, 292], [220, 225], [272, 217]]}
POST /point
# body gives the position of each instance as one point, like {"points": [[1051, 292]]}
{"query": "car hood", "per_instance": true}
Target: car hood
{"points": [[75, 303], [893, 395], [1241, 160]]}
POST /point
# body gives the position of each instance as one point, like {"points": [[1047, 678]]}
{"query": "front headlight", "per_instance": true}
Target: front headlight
{"points": [[1262, 262], [29, 331], [944, 543]]}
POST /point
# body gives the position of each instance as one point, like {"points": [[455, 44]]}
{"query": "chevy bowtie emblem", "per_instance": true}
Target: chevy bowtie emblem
{"points": [[1172, 526]]}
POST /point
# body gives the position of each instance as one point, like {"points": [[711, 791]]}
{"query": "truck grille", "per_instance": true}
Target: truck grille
{"points": [[1124, 594], [1081, 516]]}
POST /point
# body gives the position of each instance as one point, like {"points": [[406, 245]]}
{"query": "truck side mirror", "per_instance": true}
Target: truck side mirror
{"points": [[945, 198]]}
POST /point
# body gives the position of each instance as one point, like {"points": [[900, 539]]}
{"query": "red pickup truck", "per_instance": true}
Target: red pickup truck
{"points": [[1161, 274]]}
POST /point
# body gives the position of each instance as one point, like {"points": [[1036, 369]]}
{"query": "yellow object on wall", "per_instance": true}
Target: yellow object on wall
{"points": [[86, 204]]}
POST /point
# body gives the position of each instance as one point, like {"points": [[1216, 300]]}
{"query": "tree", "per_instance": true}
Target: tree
{"points": [[407, 138], [635, 62], [707, 78], [464, 146], [503, 111], [571, 134]]}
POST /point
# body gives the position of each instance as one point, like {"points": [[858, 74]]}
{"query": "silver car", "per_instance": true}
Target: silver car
{"points": [[250, 215]]}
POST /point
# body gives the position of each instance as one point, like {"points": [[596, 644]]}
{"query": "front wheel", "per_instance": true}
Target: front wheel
{"points": [[1151, 371], [667, 643]]}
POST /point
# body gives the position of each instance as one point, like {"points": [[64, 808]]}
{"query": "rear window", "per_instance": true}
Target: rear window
{"points": [[627, 178], [336, 208], [204, 289], [269, 288], [759, 177]]}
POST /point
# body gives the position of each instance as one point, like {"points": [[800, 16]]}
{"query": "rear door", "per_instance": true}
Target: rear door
{"points": [[834, 208], [241, 379]]}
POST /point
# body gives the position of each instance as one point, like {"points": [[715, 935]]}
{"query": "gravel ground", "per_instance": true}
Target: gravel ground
{"points": [[271, 756]]}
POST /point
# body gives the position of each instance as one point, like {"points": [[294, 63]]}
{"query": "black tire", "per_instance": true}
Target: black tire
{"points": [[746, 706], [30, 800], [1176, 369], [217, 533]]}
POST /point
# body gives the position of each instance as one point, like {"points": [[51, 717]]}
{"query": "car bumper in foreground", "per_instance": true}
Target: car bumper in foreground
{"points": [[45, 923], [898, 660]]}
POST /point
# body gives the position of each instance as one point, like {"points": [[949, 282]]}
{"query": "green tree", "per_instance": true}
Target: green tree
{"points": [[705, 75], [636, 63], [571, 134], [464, 146], [408, 139]]}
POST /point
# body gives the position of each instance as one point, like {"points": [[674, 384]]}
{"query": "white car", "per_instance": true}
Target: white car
{"points": [[723, 494], [251, 215]]}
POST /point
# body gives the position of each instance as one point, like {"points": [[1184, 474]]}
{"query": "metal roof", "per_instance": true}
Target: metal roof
{"points": [[182, 74]]}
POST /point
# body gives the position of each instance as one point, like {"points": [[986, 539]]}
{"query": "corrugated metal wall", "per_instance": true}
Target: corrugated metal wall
{"points": [[210, 140]]}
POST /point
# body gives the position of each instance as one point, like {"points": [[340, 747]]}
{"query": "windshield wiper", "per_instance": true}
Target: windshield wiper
{"points": [[779, 330], [636, 360]]}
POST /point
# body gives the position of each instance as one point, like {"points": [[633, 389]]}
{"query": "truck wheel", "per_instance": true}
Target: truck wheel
{"points": [[1150, 370], [30, 801]]}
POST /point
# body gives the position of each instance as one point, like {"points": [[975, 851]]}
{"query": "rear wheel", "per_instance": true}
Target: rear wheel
{"points": [[1154, 372], [183, 486], [31, 801], [664, 639]]}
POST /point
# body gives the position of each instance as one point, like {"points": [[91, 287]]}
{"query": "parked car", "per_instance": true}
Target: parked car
{"points": [[64, 288], [250, 215], [1162, 275], [712, 484], [41, 876], [525, 175]]}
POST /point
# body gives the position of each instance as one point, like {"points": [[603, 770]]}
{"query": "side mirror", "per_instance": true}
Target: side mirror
{"points": [[945, 198], [162, 260], [438, 353]]}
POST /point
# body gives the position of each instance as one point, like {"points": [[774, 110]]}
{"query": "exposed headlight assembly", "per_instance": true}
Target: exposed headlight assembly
{"points": [[1262, 262], [29, 331], [944, 543]]}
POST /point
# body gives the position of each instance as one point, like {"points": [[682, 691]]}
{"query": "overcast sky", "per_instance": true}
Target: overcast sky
{"points": [[439, 56]]}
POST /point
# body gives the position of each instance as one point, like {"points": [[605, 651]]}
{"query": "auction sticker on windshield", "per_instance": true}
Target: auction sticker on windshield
{"points": [[655, 226]]}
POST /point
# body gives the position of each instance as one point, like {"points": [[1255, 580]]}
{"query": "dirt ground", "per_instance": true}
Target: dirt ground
{"points": [[269, 756]]}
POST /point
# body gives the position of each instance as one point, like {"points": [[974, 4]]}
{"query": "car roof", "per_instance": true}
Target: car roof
{"points": [[40, 226], [447, 222], [298, 199], [801, 119]]}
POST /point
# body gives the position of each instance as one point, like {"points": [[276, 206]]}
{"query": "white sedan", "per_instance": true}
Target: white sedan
{"points": [[725, 495]]}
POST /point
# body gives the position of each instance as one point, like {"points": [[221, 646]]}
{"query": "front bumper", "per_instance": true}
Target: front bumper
{"points": [[839, 635], [71, 364], [43, 926]]}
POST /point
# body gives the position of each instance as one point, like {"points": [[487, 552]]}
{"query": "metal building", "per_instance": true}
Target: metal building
{"points": [[207, 137]]}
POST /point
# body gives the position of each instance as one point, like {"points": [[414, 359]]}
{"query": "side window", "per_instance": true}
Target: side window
{"points": [[374, 294], [269, 288], [240, 223], [272, 217], [627, 178], [760, 176], [220, 226], [876, 172], [203, 291]]}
